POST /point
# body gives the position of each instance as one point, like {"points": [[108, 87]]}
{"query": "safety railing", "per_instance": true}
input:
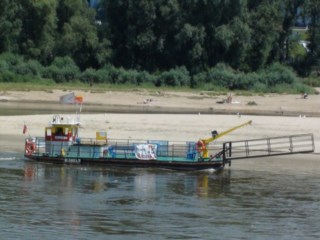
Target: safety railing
{"points": [[303, 143], [120, 149]]}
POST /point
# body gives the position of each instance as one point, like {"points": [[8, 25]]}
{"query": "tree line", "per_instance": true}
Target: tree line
{"points": [[232, 44]]}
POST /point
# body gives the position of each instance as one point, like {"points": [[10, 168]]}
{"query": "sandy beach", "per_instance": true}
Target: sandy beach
{"points": [[143, 101], [125, 115]]}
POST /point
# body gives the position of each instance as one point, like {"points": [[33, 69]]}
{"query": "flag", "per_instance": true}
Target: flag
{"points": [[25, 129], [78, 99], [67, 98]]}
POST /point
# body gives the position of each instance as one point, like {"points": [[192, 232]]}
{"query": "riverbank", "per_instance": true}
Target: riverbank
{"points": [[143, 101]]}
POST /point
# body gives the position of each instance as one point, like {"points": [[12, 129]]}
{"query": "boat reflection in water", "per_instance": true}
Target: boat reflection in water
{"points": [[113, 200], [142, 183]]}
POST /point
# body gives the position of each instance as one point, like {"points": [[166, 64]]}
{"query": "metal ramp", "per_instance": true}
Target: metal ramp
{"points": [[303, 143]]}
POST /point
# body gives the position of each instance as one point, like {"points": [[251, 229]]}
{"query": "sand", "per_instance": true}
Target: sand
{"points": [[143, 101], [125, 115]]}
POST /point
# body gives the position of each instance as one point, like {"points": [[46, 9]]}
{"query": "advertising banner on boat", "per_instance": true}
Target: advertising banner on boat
{"points": [[146, 151]]}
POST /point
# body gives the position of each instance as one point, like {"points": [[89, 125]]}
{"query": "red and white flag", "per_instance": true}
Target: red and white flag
{"points": [[25, 129]]}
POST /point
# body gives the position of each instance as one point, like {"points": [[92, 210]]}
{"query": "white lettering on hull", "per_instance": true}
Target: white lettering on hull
{"points": [[72, 160]]}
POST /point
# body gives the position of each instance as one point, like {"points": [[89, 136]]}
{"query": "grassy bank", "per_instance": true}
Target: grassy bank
{"points": [[100, 88]]}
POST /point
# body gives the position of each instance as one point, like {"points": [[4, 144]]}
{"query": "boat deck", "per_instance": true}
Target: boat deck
{"points": [[164, 151], [171, 155]]}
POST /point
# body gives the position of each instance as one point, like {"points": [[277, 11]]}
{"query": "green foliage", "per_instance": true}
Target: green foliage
{"points": [[13, 68], [123, 76], [313, 80], [275, 78], [62, 69], [221, 75], [7, 76], [265, 19], [11, 77], [35, 68], [278, 74], [36, 38], [11, 59], [175, 78], [10, 26], [90, 76], [313, 58], [232, 44], [297, 52], [115, 76]]}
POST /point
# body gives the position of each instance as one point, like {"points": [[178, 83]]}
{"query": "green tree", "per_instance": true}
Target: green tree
{"points": [[313, 11], [226, 30], [131, 24], [209, 15], [190, 44], [168, 23], [140, 33], [115, 16], [10, 26], [78, 35], [37, 38], [265, 19], [288, 16]]}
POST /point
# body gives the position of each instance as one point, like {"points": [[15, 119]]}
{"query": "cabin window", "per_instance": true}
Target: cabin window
{"points": [[59, 131], [48, 132], [75, 132]]}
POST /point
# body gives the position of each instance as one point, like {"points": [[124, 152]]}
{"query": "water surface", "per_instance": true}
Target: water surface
{"points": [[47, 201]]}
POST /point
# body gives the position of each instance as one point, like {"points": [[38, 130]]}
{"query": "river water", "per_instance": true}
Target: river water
{"points": [[47, 201]]}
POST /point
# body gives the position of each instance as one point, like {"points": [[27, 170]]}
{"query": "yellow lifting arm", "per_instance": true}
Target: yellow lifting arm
{"points": [[208, 140], [201, 145]]}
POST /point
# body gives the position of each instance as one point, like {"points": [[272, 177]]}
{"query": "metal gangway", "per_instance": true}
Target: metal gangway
{"points": [[265, 147]]}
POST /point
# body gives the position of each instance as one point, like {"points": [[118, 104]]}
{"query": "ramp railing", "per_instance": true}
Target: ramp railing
{"points": [[303, 143]]}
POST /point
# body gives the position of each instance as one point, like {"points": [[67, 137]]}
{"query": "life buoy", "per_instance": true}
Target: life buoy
{"points": [[200, 146], [30, 147]]}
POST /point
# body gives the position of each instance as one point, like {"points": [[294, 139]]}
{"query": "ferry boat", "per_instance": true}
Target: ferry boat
{"points": [[62, 144]]}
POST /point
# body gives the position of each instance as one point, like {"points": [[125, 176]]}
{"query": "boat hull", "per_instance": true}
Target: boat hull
{"points": [[135, 163]]}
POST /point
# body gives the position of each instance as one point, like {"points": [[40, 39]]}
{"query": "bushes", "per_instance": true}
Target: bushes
{"points": [[62, 69], [123, 76], [174, 78], [53, 72], [276, 78], [11, 59], [7, 76], [221, 75], [14, 68], [35, 68], [278, 74], [114, 75], [91, 76]]}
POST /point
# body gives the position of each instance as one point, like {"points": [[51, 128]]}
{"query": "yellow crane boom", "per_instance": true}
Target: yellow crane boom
{"points": [[201, 145]]}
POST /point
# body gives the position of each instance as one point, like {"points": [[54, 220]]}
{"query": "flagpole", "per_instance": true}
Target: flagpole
{"points": [[78, 103], [25, 129]]}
